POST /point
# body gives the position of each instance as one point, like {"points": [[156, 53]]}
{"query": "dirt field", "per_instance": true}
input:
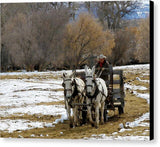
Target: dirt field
{"points": [[135, 111]]}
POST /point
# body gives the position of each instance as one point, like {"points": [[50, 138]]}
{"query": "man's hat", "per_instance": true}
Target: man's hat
{"points": [[102, 56]]}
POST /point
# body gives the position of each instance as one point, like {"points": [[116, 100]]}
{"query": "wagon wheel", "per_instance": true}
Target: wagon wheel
{"points": [[120, 110]]}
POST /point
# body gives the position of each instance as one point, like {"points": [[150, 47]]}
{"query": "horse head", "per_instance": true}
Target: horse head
{"points": [[90, 80], [68, 84]]}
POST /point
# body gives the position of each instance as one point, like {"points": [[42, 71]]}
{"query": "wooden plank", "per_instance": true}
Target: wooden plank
{"points": [[117, 95], [116, 91], [116, 81], [117, 72], [117, 103]]}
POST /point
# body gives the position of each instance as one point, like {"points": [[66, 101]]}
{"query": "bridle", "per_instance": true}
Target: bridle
{"points": [[96, 90], [74, 93], [86, 81], [69, 89]]}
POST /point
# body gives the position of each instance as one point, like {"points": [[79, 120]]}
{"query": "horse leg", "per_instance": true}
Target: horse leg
{"points": [[75, 116], [68, 108], [69, 116], [89, 113], [102, 112], [80, 108], [97, 114], [81, 111]]}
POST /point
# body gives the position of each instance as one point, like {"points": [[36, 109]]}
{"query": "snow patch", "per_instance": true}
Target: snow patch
{"points": [[133, 67], [63, 117], [124, 138], [17, 93], [123, 130], [139, 121], [134, 87], [15, 125], [30, 110], [145, 96], [145, 81]]}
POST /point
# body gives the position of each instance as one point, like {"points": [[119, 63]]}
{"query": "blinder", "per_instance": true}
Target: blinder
{"points": [[96, 90], [68, 89], [92, 81]]}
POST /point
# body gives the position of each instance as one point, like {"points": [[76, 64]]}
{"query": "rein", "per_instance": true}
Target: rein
{"points": [[99, 73]]}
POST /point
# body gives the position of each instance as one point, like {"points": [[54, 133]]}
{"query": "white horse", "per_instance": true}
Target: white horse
{"points": [[73, 93], [96, 92]]}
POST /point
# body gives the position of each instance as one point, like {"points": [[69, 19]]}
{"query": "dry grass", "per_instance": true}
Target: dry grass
{"points": [[134, 108], [52, 103], [35, 117], [33, 76], [39, 89]]}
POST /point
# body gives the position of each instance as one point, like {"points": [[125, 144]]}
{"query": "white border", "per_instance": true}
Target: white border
{"points": [[79, 143], [21, 1]]}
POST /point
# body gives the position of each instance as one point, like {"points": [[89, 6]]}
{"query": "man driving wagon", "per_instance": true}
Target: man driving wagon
{"points": [[101, 67]]}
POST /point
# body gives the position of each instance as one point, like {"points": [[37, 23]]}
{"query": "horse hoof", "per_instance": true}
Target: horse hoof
{"points": [[71, 125], [102, 123], [96, 127], [92, 124], [76, 125], [81, 123]]}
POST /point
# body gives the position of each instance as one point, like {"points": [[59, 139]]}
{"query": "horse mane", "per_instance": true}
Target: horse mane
{"points": [[78, 85]]}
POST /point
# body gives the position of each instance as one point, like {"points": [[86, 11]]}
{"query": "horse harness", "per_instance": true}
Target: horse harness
{"points": [[97, 91], [74, 94]]}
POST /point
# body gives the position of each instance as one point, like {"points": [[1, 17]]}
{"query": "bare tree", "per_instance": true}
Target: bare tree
{"points": [[112, 12], [143, 41], [125, 46], [48, 29], [19, 40], [83, 38], [8, 12], [35, 39]]}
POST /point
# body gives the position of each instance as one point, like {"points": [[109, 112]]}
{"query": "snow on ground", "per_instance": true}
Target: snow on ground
{"points": [[21, 92], [140, 95], [124, 138], [21, 96], [143, 95], [128, 67], [13, 125], [145, 81], [30, 110], [30, 97], [133, 67], [139, 121], [23, 72], [8, 125], [134, 87]]}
